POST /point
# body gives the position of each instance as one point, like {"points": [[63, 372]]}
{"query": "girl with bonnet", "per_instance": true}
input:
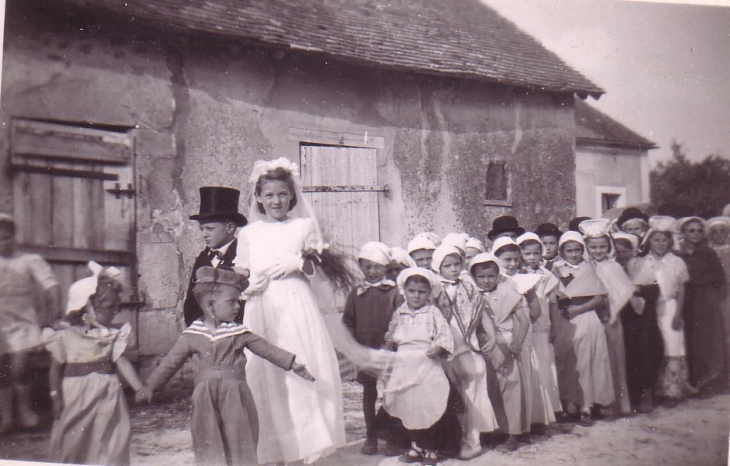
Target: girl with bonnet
{"points": [[92, 423], [581, 354], [277, 251], [416, 389], [464, 307]]}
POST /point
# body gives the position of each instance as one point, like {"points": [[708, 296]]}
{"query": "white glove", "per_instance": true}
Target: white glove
{"points": [[256, 284], [287, 265]]}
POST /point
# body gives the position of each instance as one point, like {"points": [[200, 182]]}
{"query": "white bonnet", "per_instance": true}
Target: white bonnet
{"points": [[402, 257], [375, 251], [530, 236], [501, 242], [80, 291], [631, 238], [595, 227], [432, 278], [475, 243], [422, 241], [718, 221], [485, 258], [440, 254], [571, 236]]}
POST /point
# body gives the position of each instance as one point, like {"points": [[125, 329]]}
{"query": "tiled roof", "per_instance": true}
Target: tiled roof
{"points": [[596, 128], [445, 37]]}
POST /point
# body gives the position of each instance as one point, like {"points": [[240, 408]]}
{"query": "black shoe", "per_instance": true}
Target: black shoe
{"points": [[585, 420], [370, 447]]}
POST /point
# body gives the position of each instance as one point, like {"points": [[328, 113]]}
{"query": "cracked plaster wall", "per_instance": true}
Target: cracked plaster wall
{"points": [[206, 109]]}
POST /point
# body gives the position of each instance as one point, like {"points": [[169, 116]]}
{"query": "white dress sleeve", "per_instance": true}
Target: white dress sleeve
{"points": [[242, 260], [120, 341]]}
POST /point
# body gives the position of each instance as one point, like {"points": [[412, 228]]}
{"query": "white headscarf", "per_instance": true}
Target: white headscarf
{"points": [[530, 236], [375, 251], [81, 290], [440, 254], [421, 241], [432, 278], [402, 257]]}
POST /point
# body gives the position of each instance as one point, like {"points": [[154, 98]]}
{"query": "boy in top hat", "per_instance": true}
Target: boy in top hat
{"points": [[218, 219], [505, 225]]}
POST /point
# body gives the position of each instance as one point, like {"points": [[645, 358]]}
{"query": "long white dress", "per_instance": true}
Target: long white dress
{"points": [[299, 420]]}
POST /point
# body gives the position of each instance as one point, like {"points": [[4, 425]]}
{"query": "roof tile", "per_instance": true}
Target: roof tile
{"points": [[457, 37]]}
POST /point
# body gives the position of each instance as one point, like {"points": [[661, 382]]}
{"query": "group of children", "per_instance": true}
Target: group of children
{"points": [[534, 330]]}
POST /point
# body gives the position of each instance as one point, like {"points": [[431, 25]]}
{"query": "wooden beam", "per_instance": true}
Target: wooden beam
{"points": [[336, 139], [80, 255], [49, 170], [41, 139]]}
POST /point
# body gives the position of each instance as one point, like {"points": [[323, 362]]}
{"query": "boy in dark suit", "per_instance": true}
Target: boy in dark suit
{"points": [[219, 219]]}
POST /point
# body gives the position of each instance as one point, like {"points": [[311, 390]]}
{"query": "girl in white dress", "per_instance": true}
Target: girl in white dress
{"points": [[299, 421]]}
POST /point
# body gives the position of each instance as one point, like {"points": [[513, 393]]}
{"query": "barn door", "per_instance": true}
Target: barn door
{"points": [[341, 183], [74, 201]]}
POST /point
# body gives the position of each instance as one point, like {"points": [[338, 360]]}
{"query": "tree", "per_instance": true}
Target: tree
{"points": [[681, 187]]}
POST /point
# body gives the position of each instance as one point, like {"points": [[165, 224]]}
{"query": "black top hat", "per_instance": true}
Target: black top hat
{"points": [[219, 204], [573, 225], [630, 213], [547, 229], [504, 224]]}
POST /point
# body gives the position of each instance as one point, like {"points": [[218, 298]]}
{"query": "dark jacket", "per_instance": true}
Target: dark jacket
{"points": [[191, 309]]}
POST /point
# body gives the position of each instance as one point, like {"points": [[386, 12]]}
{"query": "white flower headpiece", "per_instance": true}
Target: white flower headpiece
{"points": [[262, 167]]}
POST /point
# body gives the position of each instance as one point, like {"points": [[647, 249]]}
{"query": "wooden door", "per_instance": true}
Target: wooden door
{"points": [[342, 185], [74, 202]]}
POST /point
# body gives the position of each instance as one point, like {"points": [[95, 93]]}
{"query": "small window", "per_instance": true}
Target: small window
{"points": [[609, 197], [497, 192], [609, 201]]}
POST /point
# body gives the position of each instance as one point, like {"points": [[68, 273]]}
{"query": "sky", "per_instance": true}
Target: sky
{"points": [[665, 67]]}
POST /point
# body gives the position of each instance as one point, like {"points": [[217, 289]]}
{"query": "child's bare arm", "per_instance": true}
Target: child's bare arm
{"points": [[520, 327], [594, 303], [490, 332], [301, 371], [128, 373], [55, 378], [678, 320], [534, 305]]}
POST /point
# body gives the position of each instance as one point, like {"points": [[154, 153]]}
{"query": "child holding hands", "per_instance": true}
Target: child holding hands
{"points": [[92, 423], [225, 424], [416, 389]]}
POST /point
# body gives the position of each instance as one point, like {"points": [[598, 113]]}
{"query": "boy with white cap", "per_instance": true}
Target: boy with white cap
{"points": [[368, 311]]}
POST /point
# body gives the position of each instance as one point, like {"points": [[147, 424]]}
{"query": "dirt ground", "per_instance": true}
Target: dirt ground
{"points": [[694, 433]]}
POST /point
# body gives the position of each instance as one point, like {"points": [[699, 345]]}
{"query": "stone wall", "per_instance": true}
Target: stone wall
{"points": [[204, 109]]}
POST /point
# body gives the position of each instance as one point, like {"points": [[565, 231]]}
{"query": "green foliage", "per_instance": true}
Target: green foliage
{"points": [[703, 187]]}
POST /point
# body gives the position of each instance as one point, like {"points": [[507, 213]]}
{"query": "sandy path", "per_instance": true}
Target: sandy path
{"points": [[694, 433]]}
